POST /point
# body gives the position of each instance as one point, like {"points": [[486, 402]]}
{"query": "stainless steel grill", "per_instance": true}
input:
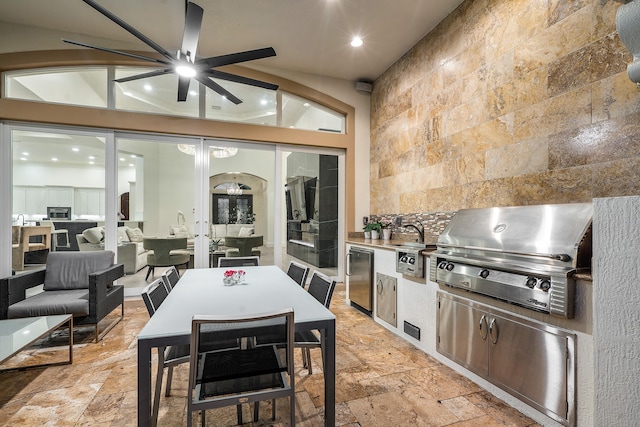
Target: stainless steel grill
{"points": [[525, 255]]}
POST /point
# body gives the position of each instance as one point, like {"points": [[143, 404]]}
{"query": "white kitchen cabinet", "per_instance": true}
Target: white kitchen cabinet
{"points": [[60, 196], [19, 200], [89, 201], [35, 201]]}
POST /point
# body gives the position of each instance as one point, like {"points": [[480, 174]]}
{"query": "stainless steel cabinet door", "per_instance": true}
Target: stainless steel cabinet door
{"points": [[462, 334], [531, 362], [386, 301]]}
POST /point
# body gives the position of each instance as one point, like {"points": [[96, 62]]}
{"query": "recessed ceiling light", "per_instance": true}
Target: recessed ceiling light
{"points": [[122, 159], [147, 87], [92, 157], [133, 156], [55, 159], [356, 41], [131, 164], [76, 149], [24, 153], [23, 158], [306, 104], [193, 93], [263, 101], [91, 163]]}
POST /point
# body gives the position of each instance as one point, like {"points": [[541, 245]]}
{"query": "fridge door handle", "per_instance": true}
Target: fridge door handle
{"points": [[348, 272]]}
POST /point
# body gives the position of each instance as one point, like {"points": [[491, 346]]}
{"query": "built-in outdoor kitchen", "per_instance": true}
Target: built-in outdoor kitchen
{"points": [[503, 295]]}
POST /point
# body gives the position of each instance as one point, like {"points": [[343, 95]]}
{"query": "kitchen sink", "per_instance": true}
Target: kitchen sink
{"points": [[410, 245]]}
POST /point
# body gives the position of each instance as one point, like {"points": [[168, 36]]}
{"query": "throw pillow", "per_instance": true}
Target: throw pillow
{"points": [[122, 235], [135, 234], [180, 231], [93, 235], [245, 232]]}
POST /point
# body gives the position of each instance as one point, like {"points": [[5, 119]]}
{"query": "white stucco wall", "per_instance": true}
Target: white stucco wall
{"points": [[616, 302]]}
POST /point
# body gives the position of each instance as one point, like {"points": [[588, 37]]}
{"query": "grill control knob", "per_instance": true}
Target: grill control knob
{"points": [[531, 282], [449, 266], [545, 285], [442, 265], [484, 273]]}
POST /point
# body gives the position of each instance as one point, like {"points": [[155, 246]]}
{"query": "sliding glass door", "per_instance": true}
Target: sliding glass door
{"points": [[107, 190]]}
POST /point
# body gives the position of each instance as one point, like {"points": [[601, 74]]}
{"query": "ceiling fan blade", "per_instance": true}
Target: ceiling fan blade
{"points": [[192, 24], [130, 29], [239, 79], [234, 58], [183, 88], [218, 89], [119, 52], [144, 75]]}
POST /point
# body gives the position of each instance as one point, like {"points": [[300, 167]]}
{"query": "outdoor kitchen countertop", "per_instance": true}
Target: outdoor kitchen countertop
{"points": [[391, 245]]}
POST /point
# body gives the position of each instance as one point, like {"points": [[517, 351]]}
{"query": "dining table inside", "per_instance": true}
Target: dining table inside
{"points": [[203, 292]]}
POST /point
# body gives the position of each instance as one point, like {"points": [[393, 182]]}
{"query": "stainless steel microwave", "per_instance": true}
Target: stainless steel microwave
{"points": [[59, 212]]}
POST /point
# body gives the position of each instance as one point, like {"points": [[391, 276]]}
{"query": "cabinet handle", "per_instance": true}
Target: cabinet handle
{"points": [[380, 287], [483, 332], [348, 272], [493, 326]]}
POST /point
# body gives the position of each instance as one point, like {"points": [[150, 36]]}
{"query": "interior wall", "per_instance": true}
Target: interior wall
{"points": [[507, 103]]}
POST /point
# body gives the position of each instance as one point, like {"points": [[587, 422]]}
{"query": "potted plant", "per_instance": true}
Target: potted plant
{"points": [[214, 244], [374, 228], [368, 228], [386, 228]]}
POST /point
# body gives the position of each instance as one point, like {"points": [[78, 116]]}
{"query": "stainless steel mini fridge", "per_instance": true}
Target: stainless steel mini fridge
{"points": [[360, 278]]}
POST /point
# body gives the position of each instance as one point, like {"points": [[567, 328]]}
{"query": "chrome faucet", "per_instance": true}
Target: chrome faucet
{"points": [[18, 217], [419, 230]]}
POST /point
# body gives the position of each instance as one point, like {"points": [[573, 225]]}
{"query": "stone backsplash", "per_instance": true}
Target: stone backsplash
{"points": [[507, 103], [433, 223]]}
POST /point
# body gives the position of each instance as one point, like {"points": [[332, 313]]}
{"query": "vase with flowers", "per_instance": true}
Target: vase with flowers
{"points": [[233, 277]]}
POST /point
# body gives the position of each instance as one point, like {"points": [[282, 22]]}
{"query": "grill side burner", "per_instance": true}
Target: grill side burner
{"points": [[524, 255]]}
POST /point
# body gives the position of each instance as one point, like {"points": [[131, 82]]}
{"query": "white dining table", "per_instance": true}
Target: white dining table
{"points": [[202, 292]]}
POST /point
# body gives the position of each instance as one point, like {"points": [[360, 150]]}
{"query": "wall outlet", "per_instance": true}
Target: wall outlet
{"points": [[365, 220]]}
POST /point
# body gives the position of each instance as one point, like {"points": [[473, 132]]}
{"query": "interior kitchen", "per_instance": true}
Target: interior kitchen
{"points": [[478, 209]]}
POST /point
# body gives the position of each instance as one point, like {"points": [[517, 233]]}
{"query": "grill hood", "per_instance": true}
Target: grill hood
{"points": [[523, 254]]}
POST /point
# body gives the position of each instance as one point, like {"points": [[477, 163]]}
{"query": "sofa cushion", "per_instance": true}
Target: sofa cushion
{"points": [[70, 270], [123, 237], [140, 248], [135, 234], [180, 231], [218, 231], [48, 303], [233, 230], [93, 234], [245, 232]]}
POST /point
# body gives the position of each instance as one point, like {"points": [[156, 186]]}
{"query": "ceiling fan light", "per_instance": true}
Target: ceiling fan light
{"points": [[185, 70]]}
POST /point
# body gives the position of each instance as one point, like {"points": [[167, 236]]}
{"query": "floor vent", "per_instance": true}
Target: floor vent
{"points": [[412, 330]]}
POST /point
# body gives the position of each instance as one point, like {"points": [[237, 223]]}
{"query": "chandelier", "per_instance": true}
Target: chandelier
{"points": [[217, 152], [234, 189]]}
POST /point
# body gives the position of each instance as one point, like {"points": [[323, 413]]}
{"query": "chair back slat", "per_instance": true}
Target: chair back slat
{"points": [[321, 287], [153, 295], [170, 277], [298, 272], [247, 261]]}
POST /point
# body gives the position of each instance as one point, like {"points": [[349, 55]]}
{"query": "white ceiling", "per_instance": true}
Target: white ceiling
{"points": [[310, 36]]}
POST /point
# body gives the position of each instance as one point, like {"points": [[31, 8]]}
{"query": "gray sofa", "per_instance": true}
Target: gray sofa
{"points": [[77, 283]]}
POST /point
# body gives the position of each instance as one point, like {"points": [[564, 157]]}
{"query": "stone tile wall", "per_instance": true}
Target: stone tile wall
{"points": [[507, 102]]}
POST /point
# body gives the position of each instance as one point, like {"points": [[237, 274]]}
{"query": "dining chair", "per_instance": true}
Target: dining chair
{"points": [[261, 369], [238, 261], [153, 295], [170, 277], [321, 288], [165, 252], [298, 272]]}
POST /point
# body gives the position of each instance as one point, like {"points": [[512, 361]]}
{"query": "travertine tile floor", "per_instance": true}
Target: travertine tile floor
{"points": [[381, 381]]}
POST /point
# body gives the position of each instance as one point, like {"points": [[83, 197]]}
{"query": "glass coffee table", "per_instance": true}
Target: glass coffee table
{"points": [[18, 334]]}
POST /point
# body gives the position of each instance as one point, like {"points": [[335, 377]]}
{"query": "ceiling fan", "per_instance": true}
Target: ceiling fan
{"points": [[184, 62]]}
